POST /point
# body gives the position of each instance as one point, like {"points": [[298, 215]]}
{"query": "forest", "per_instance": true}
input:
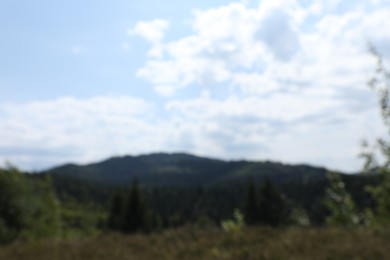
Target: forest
{"points": [[38, 208], [183, 206]]}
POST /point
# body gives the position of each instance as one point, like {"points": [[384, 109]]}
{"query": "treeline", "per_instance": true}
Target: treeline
{"points": [[130, 212], [175, 205], [36, 207], [31, 208]]}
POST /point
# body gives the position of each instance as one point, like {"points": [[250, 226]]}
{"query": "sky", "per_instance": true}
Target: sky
{"points": [[81, 81]]}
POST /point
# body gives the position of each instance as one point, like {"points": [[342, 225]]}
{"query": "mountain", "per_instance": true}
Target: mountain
{"points": [[184, 170], [184, 187]]}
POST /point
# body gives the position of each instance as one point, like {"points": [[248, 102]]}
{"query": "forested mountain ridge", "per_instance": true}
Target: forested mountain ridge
{"points": [[190, 186], [185, 170]]}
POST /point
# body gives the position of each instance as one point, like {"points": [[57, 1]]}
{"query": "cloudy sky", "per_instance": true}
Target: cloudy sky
{"points": [[81, 81]]}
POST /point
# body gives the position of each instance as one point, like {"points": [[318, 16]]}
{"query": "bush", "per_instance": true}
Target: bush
{"points": [[29, 208]]}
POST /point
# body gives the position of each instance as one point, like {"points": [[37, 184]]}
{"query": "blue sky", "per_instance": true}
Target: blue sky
{"points": [[81, 81]]}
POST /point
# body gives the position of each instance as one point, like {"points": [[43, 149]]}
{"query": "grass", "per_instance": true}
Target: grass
{"points": [[192, 243]]}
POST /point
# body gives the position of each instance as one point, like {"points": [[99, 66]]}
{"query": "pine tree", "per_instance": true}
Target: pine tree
{"points": [[251, 211], [272, 205], [117, 212], [137, 215]]}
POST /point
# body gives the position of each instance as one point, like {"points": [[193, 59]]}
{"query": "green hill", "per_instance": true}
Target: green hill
{"points": [[187, 187], [184, 170]]}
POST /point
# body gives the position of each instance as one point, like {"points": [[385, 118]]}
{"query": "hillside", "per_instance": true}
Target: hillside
{"points": [[179, 169], [185, 186]]}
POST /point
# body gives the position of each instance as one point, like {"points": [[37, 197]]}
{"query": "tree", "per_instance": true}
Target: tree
{"points": [[46, 220], [273, 209], [338, 201], [14, 210], [117, 211], [29, 208], [137, 215], [251, 210], [377, 156]]}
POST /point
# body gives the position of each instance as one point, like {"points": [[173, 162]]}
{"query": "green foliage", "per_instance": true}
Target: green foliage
{"points": [[377, 157], [251, 209], [341, 207], [176, 206], [130, 214], [235, 225], [177, 170], [15, 210], [299, 217], [29, 208], [381, 195], [267, 206], [46, 220], [136, 213], [273, 210], [81, 220], [117, 211]]}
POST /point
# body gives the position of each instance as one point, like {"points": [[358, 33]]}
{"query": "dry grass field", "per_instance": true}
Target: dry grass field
{"points": [[192, 243]]}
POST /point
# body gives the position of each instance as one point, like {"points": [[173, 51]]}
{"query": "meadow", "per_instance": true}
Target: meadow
{"points": [[196, 243]]}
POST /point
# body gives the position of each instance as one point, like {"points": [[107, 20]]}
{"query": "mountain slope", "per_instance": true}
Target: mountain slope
{"points": [[179, 169]]}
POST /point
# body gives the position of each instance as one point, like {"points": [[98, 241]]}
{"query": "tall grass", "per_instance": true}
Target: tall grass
{"points": [[193, 243]]}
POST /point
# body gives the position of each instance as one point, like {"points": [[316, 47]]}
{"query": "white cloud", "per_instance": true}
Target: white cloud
{"points": [[277, 81], [165, 90], [266, 42], [254, 83], [279, 36], [312, 128], [281, 67], [152, 31], [77, 129]]}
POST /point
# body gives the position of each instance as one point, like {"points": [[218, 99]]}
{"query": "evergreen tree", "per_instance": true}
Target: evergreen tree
{"points": [[137, 214], [251, 211], [272, 205], [117, 212]]}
